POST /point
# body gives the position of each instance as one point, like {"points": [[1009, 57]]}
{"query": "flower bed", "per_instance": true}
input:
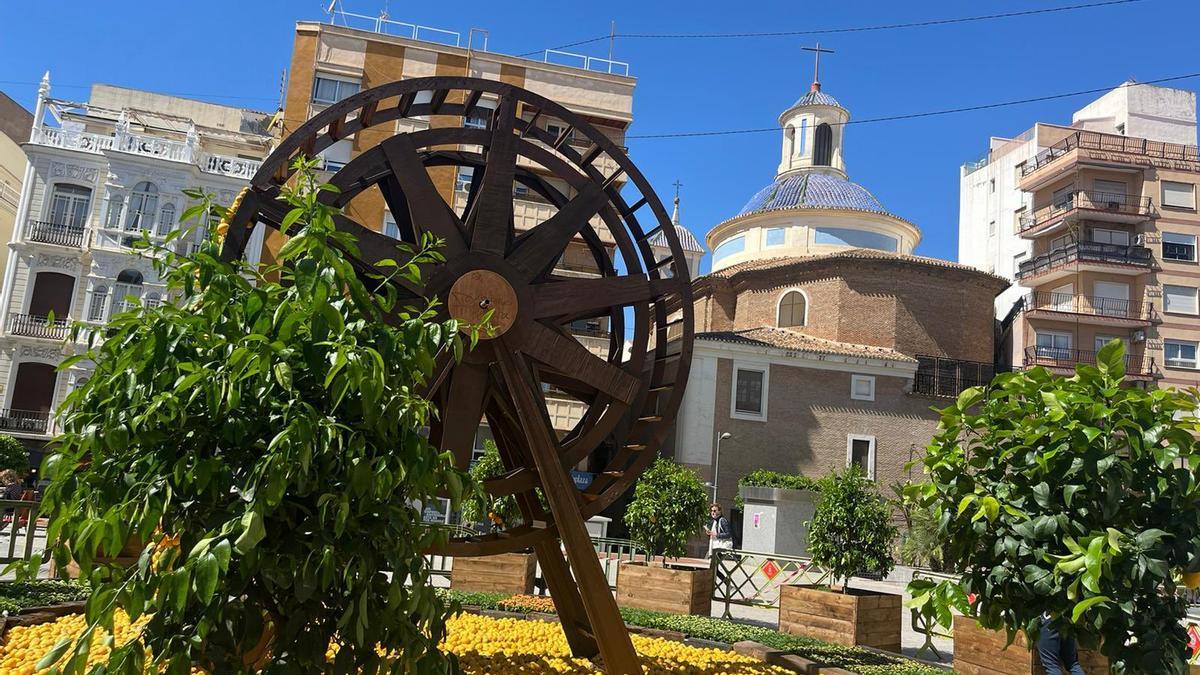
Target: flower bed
{"points": [[15, 597], [863, 661]]}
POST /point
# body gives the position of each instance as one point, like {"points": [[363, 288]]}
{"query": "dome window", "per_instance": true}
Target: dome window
{"points": [[823, 152]]}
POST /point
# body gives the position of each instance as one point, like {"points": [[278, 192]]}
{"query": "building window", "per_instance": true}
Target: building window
{"points": [[802, 146], [749, 389], [1179, 299], [1180, 353], [557, 130], [462, 180], [775, 236], [1115, 237], [337, 155], [97, 304], [390, 228], [1054, 345], [992, 228], [1017, 260], [1018, 215], [1178, 195], [992, 185], [166, 219], [823, 145], [843, 236], [143, 206], [478, 119], [328, 89], [1179, 247], [862, 387], [793, 310], [69, 205], [482, 435], [127, 291], [729, 247], [860, 452]]}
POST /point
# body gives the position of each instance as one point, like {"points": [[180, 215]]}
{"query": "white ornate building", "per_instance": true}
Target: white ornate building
{"points": [[100, 174]]}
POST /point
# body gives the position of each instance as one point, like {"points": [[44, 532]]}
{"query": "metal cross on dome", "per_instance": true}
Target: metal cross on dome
{"points": [[817, 50]]}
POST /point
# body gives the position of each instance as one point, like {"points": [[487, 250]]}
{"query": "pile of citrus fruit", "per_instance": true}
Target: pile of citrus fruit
{"points": [[485, 646], [527, 603]]}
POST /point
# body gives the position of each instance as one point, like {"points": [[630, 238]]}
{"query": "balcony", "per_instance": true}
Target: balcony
{"points": [[947, 378], [1112, 207], [1054, 358], [28, 325], [1089, 309], [186, 151], [44, 232], [1086, 256], [1108, 150], [24, 421]]}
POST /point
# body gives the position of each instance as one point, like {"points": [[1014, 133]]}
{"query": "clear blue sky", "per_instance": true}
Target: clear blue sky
{"points": [[233, 52]]}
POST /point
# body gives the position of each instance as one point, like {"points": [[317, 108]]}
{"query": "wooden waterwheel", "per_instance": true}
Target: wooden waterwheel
{"points": [[629, 392]]}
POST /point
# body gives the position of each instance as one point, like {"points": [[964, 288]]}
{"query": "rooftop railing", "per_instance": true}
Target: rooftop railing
{"points": [[1094, 140], [147, 146], [1113, 308], [947, 378], [1090, 200]]}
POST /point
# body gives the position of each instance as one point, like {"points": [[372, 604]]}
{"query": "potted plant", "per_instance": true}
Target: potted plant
{"points": [[776, 508], [1070, 496], [668, 508], [850, 534], [511, 573]]}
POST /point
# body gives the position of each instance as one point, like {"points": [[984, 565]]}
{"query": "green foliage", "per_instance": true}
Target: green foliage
{"points": [[775, 479], [720, 630], [920, 542], [851, 531], [13, 455], [669, 506], [272, 426], [15, 596], [478, 505], [1074, 496]]}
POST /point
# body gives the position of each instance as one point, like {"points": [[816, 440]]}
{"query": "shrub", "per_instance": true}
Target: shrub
{"points": [[15, 596], [478, 506], [774, 479], [1075, 496], [669, 506], [851, 531], [13, 455], [267, 423]]}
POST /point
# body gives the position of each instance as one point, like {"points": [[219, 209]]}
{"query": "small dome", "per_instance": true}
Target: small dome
{"points": [[817, 97], [687, 240], [811, 190]]}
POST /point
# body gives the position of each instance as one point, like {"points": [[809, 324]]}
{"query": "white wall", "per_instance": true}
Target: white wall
{"points": [[1142, 111], [694, 428]]}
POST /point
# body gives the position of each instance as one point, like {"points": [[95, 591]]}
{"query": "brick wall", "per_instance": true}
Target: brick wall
{"points": [[809, 415]]}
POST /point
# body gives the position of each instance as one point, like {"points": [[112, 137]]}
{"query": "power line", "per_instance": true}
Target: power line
{"points": [[828, 31], [909, 116]]}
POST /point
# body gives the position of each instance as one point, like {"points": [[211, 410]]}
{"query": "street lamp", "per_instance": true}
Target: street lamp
{"points": [[717, 462]]}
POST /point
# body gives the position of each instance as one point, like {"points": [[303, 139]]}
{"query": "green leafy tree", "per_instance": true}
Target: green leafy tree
{"points": [[668, 507], [271, 430], [851, 531], [13, 455], [1075, 496], [478, 506], [920, 543]]}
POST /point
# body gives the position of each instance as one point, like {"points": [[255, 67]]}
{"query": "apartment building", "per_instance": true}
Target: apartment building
{"points": [[330, 62], [99, 175], [15, 124], [1097, 223]]}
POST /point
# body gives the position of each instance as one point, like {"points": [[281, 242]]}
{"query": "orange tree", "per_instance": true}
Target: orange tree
{"points": [[271, 429], [1077, 497]]}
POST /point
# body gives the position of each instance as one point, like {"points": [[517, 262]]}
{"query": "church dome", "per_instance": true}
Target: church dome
{"points": [[816, 97], [811, 190]]}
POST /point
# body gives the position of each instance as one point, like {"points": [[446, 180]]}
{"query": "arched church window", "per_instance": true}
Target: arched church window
{"points": [[803, 138], [823, 152], [793, 310], [789, 141]]}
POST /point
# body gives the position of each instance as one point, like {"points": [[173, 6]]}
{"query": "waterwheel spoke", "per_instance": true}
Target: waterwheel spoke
{"points": [[570, 299], [492, 214], [541, 246], [426, 209], [571, 359], [463, 411]]}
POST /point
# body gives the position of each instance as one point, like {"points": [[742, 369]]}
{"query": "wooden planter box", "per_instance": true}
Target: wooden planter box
{"points": [[857, 617], [510, 573], [980, 651], [675, 590]]}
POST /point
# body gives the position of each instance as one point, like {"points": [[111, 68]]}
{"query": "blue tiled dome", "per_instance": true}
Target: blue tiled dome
{"points": [[811, 190], [817, 97]]}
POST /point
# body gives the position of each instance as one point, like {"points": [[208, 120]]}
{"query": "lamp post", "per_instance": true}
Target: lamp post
{"points": [[717, 461]]}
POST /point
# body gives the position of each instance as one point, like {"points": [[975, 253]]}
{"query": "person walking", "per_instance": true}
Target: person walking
{"points": [[720, 534], [1059, 653]]}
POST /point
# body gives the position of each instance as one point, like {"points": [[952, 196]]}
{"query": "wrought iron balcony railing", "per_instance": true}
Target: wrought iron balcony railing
{"points": [[28, 421], [1089, 200], [1136, 363], [38, 326], [1093, 140], [54, 233], [1086, 251], [947, 378], [1115, 308]]}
